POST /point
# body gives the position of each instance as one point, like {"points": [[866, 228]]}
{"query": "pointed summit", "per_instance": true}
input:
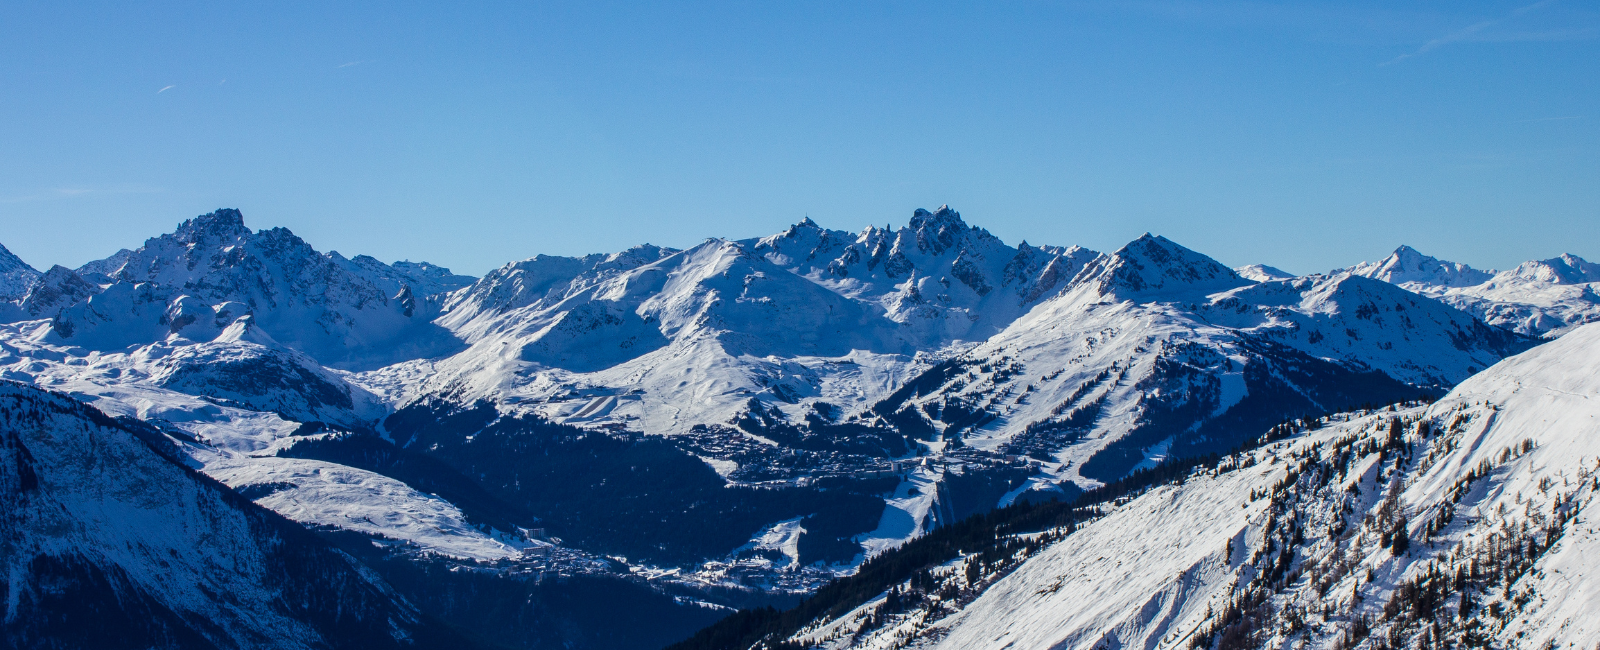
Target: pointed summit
{"points": [[1408, 265], [943, 216], [223, 224], [1153, 267], [938, 230]]}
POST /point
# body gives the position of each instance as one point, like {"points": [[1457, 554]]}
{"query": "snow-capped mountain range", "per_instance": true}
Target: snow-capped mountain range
{"points": [[1538, 298], [761, 414]]}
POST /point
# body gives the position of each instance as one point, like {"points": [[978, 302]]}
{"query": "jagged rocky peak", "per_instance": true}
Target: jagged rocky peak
{"points": [[220, 225], [1154, 267], [938, 230], [1408, 265], [544, 280]]}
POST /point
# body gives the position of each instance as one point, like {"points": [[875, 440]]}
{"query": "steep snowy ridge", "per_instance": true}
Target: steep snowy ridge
{"points": [[1538, 298], [1566, 269], [109, 543], [520, 296], [15, 275], [419, 279], [1467, 521], [1153, 267]]}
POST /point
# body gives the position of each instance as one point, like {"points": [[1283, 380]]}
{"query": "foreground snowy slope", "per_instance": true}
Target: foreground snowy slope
{"points": [[108, 541], [1462, 522]]}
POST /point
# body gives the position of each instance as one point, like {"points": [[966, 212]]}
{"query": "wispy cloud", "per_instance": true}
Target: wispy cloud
{"points": [[1575, 34], [74, 191], [1550, 119], [346, 65], [166, 89], [1467, 33]]}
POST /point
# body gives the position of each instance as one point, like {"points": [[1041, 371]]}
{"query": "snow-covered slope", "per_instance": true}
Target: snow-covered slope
{"points": [[1466, 521], [243, 366], [1157, 350], [237, 402], [317, 493], [110, 542], [667, 340], [1538, 298]]}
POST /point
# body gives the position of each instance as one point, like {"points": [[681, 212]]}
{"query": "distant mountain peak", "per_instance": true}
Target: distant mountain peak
{"points": [[922, 218], [1262, 273], [1155, 265], [1409, 265], [55, 290], [938, 231], [1566, 269], [224, 223]]}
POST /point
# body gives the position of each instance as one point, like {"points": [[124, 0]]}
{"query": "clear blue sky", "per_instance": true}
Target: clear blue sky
{"points": [[1300, 135]]}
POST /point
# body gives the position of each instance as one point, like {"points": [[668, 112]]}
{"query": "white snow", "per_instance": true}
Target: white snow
{"points": [[905, 514], [1154, 570], [317, 493], [1539, 298]]}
